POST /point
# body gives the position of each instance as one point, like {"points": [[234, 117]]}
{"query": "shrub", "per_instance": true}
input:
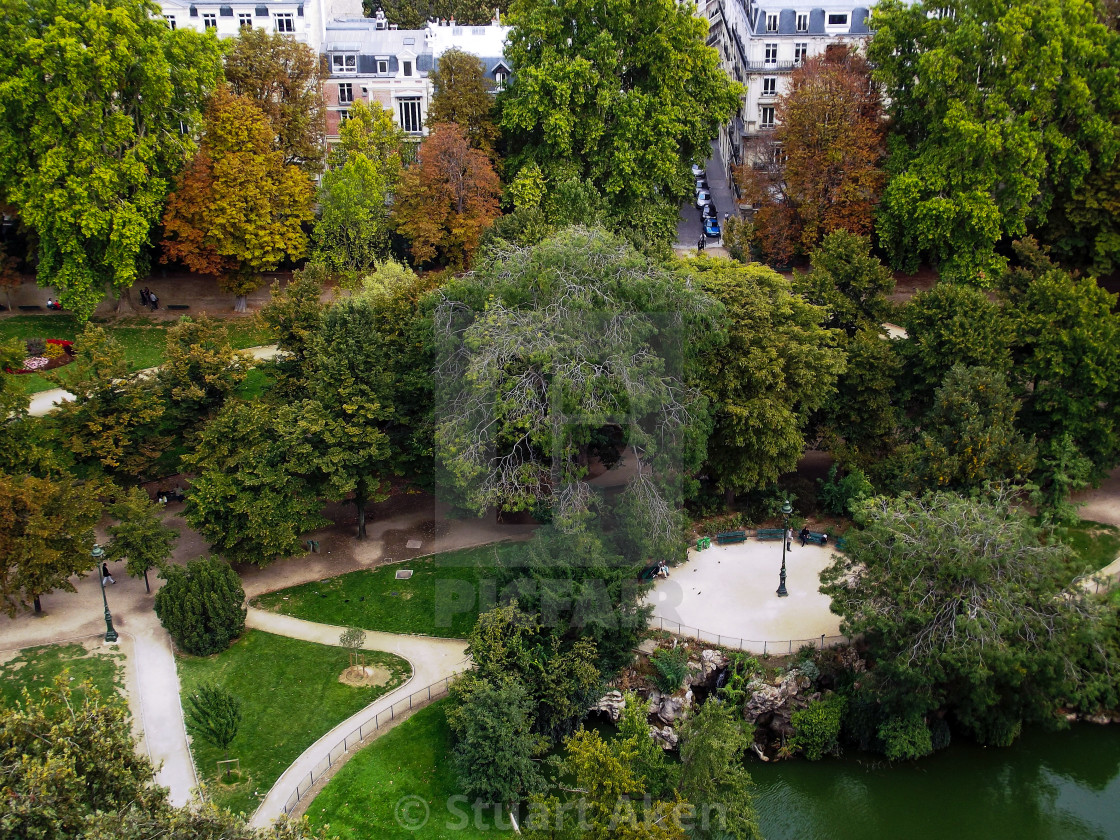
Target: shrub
{"points": [[36, 346], [202, 605], [837, 497], [817, 727], [672, 667], [53, 351], [906, 738]]}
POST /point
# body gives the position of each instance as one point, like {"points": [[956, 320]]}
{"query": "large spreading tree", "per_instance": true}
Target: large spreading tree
{"points": [[1001, 112], [98, 107], [623, 93], [238, 209]]}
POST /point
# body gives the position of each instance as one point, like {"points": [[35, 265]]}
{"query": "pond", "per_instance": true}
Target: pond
{"points": [[1047, 786]]}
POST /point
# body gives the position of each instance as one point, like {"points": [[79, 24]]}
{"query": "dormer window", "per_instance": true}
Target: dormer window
{"points": [[802, 22], [771, 23], [382, 66], [838, 19], [500, 77], [406, 68], [343, 64]]}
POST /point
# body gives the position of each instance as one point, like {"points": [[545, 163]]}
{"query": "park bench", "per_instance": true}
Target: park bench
{"points": [[770, 533], [32, 307], [731, 537], [178, 306], [816, 537], [648, 573]]}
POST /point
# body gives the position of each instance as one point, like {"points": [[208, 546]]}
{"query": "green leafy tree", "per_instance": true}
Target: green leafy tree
{"points": [[713, 778], [1062, 470], [621, 94], [415, 14], [201, 605], [817, 727], [68, 755], [46, 536], [294, 315], [964, 609], [284, 78], [371, 131], [848, 281], [494, 741], [252, 497], [16, 440], [238, 209], [139, 537], [461, 94], [90, 135], [775, 365], [214, 716], [196, 821], [997, 111], [114, 421], [200, 370]]}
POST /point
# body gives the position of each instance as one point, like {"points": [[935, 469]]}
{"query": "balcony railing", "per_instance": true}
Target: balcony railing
{"points": [[771, 66]]}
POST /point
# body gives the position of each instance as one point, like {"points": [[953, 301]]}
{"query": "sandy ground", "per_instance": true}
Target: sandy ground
{"points": [[730, 591]]}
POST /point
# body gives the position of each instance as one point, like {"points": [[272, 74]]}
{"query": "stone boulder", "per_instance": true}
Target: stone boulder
{"points": [[766, 699], [612, 703], [665, 737]]}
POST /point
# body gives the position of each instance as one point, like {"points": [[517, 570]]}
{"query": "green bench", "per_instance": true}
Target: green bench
{"points": [[648, 573], [816, 537], [731, 537], [770, 533]]}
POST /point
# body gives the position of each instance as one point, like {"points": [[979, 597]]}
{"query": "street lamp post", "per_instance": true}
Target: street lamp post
{"points": [[110, 634], [786, 511]]}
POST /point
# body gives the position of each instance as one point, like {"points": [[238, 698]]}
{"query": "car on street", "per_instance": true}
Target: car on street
{"points": [[697, 171], [709, 209], [711, 227], [703, 197], [701, 184]]}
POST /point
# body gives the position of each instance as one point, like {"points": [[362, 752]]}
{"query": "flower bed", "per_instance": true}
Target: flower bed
{"points": [[56, 353]]}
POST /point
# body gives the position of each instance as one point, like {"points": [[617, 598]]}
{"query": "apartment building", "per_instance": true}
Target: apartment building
{"points": [[303, 20]]}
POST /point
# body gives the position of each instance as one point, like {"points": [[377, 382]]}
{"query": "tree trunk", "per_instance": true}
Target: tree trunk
{"points": [[147, 586], [360, 505], [241, 303], [38, 606], [729, 499], [124, 304]]}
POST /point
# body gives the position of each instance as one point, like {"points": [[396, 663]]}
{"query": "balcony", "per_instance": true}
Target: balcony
{"points": [[771, 66]]}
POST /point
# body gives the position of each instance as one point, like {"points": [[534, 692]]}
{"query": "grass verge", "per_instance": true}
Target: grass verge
{"points": [[442, 598], [35, 668], [142, 339], [1095, 543], [395, 781], [290, 697]]}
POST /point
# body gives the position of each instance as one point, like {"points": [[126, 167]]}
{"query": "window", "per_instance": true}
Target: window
{"points": [[170, 21], [210, 20], [500, 79], [406, 68], [799, 52], [770, 86], [344, 64], [285, 23], [244, 20], [771, 53], [382, 66], [343, 115], [802, 22], [409, 110], [766, 116], [771, 23], [838, 19], [345, 93]]}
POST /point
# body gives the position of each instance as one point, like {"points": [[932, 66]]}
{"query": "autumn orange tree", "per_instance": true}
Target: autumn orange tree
{"points": [[820, 170], [447, 198], [238, 209]]}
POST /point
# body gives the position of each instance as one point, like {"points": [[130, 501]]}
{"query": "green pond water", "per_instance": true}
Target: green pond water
{"points": [[1047, 786]]}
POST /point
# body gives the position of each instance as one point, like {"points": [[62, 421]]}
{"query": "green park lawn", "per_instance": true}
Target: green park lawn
{"points": [[142, 339], [290, 697], [441, 598], [1095, 544], [407, 763], [36, 668]]}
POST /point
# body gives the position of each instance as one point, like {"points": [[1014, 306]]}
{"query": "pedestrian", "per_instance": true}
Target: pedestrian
{"points": [[105, 576], [144, 296], [153, 300], [804, 535], [789, 539], [700, 243]]}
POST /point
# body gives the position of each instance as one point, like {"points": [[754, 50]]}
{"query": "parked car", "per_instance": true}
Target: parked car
{"points": [[701, 184], [709, 209], [711, 226], [703, 198], [697, 171]]}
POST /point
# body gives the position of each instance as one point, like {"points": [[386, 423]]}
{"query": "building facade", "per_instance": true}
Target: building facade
{"points": [[302, 20]]}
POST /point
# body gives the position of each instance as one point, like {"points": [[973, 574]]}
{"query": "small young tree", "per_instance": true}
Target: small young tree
{"points": [[353, 639], [139, 537], [214, 715], [202, 605]]}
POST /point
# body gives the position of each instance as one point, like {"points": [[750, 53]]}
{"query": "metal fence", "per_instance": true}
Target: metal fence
{"points": [[416, 700], [775, 648]]}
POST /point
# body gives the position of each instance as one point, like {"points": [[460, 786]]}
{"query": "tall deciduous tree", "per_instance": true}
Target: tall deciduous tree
{"points": [[238, 209], [447, 198], [92, 112], [285, 80], [201, 369], [820, 171], [999, 111], [461, 94], [965, 609], [139, 536], [294, 315], [622, 93], [775, 365], [46, 535], [848, 281]]}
